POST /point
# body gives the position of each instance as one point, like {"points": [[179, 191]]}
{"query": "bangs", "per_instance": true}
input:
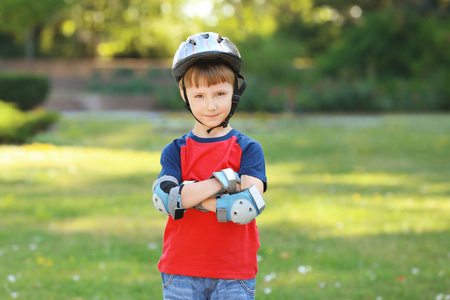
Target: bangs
{"points": [[207, 74]]}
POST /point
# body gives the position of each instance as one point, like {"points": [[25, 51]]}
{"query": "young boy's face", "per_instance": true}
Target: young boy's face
{"points": [[210, 104]]}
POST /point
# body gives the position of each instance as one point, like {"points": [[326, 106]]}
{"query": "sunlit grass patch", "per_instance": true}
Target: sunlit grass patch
{"points": [[119, 226]]}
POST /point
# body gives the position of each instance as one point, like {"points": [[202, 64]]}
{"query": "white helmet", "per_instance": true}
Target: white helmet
{"points": [[205, 46]]}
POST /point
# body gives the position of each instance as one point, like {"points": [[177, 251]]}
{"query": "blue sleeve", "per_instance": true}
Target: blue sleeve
{"points": [[171, 161], [252, 161]]}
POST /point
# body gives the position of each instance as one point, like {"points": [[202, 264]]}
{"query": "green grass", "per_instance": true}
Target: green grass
{"points": [[358, 207]]}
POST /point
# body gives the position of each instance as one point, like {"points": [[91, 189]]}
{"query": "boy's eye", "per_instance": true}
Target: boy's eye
{"points": [[198, 96], [220, 94]]}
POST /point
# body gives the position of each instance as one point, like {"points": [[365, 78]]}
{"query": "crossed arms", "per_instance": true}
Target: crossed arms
{"points": [[200, 192], [233, 198]]}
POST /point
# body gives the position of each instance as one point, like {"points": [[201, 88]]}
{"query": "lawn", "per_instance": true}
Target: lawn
{"points": [[358, 207]]}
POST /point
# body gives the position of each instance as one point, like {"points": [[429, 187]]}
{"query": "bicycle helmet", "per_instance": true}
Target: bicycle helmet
{"points": [[209, 47]]}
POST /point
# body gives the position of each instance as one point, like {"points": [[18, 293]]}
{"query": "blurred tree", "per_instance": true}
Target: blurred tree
{"points": [[404, 40], [25, 18], [281, 29]]}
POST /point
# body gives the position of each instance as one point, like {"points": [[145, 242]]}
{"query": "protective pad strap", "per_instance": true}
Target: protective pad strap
{"points": [[168, 201], [164, 178], [259, 200], [221, 214], [174, 204], [228, 179]]}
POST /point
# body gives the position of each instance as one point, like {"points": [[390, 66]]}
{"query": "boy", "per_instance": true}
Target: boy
{"points": [[211, 183]]}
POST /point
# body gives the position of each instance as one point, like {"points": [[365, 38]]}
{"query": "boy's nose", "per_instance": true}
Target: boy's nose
{"points": [[211, 104]]}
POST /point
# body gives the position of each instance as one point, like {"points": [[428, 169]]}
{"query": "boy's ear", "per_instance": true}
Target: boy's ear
{"points": [[182, 94]]}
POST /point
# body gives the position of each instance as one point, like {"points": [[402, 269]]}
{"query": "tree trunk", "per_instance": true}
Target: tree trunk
{"points": [[29, 48]]}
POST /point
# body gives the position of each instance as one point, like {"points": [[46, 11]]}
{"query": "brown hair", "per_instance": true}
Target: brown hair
{"points": [[208, 74]]}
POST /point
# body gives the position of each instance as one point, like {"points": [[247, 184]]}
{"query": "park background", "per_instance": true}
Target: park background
{"points": [[349, 100]]}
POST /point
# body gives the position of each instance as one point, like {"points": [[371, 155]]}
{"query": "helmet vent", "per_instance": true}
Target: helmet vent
{"points": [[205, 35], [220, 39], [192, 41]]}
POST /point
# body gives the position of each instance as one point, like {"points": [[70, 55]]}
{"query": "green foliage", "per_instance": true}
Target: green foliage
{"points": [[123, 81], [375, 95], [9, 48], [167, 96], [18, 127], [271, 57], [439, 83], [123, 72], [18, 16], [409, 95], [334, 95], [26, 91], [391, 42], [262, 95]]}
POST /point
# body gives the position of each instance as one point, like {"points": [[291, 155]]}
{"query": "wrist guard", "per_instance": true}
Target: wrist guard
{"points": [[166, 196], [228, 179], [240, 208]]}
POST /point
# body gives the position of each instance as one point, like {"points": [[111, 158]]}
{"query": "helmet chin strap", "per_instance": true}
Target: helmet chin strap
{"points": [[237, 93]]}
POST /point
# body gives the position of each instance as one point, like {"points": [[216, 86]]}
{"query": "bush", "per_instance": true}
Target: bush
{"points": [[125, 81], [262, 95], [409, 95], [167, 96], [440, 81], [370, 95], [18, 127], [26, 91], [333, 95]]}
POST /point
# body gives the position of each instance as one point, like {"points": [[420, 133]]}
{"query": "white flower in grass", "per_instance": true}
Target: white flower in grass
{"points": [[76, 278], [322, 285], [33, 247], [267, 290], [102, 266], [447, 297], [415, 270], [259, 257], [304, 269], [14, 294], [11, 278], [152, 246], [440, 297], [270, 277], [379, 298], [15, 248], [337, 284]]}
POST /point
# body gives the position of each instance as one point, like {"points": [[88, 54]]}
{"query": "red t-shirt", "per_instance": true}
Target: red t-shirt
{"points": [[197, 244]]}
